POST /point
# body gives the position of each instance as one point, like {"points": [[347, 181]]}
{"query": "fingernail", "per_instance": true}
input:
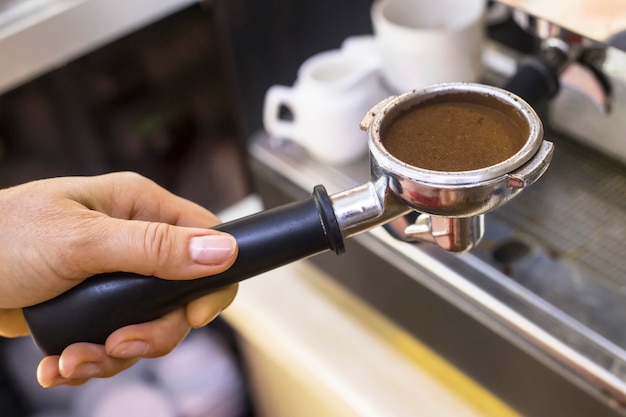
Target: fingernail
{"points": [[86, 370], [57, 381], [130, 350], [212, 249]]}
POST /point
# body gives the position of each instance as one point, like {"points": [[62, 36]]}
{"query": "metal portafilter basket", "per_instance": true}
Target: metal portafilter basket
{"points": [[452, 206]]}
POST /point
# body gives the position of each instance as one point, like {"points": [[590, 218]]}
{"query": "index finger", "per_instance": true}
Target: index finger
{"points": [[130, 196]]}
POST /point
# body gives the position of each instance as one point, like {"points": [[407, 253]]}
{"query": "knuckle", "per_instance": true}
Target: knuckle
{"points": [[158, 243], [76, 257], [129, 181], [129, 176]]}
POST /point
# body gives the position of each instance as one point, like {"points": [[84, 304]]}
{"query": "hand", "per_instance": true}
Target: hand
{"points": [[57, 232]]}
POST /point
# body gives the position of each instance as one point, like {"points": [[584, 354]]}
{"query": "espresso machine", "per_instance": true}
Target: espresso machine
{"points": [[535, 311]]}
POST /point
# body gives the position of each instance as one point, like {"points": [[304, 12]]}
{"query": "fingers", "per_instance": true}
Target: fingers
{"points": [[134, 225], [12, 323], [149, 340], [130, 196], [82, 361], [159, 249], [48, 374], [204, 309], [147, 230], [78, 364]]}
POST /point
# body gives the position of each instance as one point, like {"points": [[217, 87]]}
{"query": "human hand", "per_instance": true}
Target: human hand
{"points": [[57, 232]]}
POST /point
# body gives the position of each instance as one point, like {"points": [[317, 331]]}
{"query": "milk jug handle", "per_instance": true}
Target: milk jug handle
{"points": [[276, 98]]}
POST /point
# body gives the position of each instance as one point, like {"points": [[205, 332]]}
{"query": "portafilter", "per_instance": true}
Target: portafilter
{"points": [[451, 204]]}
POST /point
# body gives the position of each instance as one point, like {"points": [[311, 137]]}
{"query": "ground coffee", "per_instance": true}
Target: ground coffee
{"points": [[454, 133]]}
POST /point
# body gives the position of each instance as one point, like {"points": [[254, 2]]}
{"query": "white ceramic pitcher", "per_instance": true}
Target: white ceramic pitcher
{"points": [[333, 91]]}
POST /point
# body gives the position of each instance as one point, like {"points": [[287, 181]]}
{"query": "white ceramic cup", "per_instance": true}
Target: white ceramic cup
{"points": [[333, 91], [424, 42]]}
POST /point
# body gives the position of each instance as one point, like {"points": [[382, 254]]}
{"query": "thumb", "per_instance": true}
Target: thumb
{"points": [[164, 250]]}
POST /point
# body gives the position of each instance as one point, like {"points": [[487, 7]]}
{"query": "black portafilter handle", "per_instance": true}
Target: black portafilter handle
{"points": [[91, 311]]}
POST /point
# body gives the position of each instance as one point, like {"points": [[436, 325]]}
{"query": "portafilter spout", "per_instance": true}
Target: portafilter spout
{"points": [[451, 203]]}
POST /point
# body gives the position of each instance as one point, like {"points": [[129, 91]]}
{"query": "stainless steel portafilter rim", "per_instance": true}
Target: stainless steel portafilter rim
{"points": [[397, 105], [457, 194]]}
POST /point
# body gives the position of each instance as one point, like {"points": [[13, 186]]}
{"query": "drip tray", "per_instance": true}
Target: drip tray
{"points": [[563, 239], [533, 314]]}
